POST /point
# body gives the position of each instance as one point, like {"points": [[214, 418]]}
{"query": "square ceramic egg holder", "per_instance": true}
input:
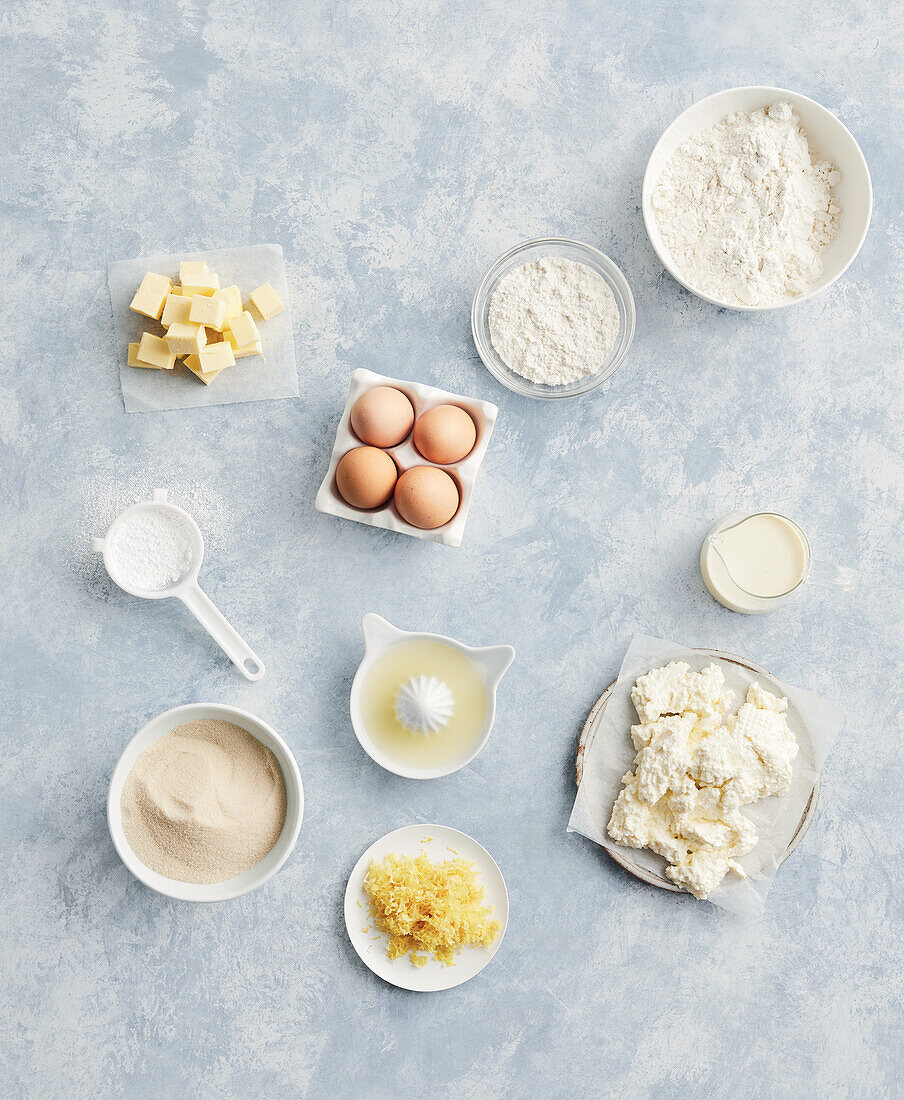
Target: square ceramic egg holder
{"points": [[405, 455]]}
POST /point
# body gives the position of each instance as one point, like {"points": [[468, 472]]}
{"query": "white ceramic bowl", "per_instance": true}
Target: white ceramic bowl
{"points": [[255, 876], [829, 139], [380, 636], [536, 250]]}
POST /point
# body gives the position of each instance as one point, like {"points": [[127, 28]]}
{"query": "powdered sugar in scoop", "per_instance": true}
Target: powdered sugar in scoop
{"points": [[744, 209], [553, 320], [151, 549]]}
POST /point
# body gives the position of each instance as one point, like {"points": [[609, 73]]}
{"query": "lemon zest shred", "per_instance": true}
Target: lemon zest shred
{"points": [[429, 908]]}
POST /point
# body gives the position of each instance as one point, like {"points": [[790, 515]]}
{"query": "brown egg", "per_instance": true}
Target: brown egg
{"points": [[366, 477], [426, 497], [445, 434], [382, 417]]}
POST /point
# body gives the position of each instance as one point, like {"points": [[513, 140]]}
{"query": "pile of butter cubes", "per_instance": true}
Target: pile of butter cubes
{"points": [[207, 326]]}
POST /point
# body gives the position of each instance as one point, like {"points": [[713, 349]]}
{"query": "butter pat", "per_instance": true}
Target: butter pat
{"points": [[151, 295], [193, 363], [207, 325], [177, 308], [207, 311], [266, 301], [242, 330], [192, 267], [153, 351], [211, 361], [248, 350], [200, 283], [217, 357], [232, 296], [184, 338]]}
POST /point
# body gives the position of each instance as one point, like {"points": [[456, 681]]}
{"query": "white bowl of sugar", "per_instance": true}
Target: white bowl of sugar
{"points": [[828, 139], [255, 875]]}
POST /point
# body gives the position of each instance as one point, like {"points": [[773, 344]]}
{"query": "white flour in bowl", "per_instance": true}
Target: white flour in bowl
{"points": [[553, 320], [745, 211]]}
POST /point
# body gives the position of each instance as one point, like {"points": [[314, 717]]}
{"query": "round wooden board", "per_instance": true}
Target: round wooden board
{"points": [[588, 732]]}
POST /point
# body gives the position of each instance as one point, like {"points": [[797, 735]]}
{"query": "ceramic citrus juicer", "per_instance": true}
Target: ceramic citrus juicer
{"points": [[414, 694]]}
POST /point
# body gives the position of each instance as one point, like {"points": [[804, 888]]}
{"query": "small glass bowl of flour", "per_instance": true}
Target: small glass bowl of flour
{"points": [[553, 318]]}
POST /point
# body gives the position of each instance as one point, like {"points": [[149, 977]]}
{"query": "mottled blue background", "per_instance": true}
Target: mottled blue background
{"points": [[394, 150]]}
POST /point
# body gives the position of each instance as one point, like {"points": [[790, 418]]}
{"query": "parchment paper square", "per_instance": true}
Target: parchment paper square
{"points": [[258, 378]]}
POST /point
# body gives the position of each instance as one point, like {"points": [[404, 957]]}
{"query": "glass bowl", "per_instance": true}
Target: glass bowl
{"points": [[535, 250]]}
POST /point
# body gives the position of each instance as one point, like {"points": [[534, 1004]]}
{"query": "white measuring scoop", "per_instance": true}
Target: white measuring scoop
{"points": [[186, 588]]}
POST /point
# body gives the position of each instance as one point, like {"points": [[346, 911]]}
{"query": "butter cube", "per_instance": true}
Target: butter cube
{"points": [[208, 311], [247, 350], [133, 356], [193, 363], [192, 267], [151, 295], [232, 296], [177, 308], [184, 338], [242, 330], [255, 349], [266, 301], [201, 283], [217, 357], [153, 351]]}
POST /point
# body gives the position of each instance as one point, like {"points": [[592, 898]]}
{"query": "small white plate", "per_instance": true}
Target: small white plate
{"points": [[439, 843]]}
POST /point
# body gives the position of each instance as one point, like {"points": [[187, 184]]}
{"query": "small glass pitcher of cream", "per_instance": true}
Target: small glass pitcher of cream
{"points": [[754, 561]]}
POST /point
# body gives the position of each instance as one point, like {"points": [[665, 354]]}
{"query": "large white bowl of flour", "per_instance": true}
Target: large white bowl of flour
{"points": [[828, 139], [239, 884]]}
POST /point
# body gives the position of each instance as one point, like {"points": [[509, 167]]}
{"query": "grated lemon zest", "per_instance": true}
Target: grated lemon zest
{"points": [[429, 908]]}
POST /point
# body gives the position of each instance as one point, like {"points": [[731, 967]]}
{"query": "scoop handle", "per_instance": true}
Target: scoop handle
{"points": [[223, 633]]}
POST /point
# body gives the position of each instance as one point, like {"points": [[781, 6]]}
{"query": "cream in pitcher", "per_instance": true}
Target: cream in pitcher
{"points": [[752, 562]]}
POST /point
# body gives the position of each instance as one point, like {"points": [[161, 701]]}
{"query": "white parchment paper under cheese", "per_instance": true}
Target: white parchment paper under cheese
{"points": [[814, 722], [257, 378]]}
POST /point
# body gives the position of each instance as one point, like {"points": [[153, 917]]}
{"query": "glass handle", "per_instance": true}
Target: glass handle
{"points": [[836, 577]]}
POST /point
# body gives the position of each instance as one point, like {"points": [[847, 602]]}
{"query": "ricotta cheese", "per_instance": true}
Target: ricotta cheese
{"points": [[674, 689], [664, 757], [696, 766]]}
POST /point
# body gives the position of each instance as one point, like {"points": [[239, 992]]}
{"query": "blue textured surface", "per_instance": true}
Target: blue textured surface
{"points": [[394, 151]]}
